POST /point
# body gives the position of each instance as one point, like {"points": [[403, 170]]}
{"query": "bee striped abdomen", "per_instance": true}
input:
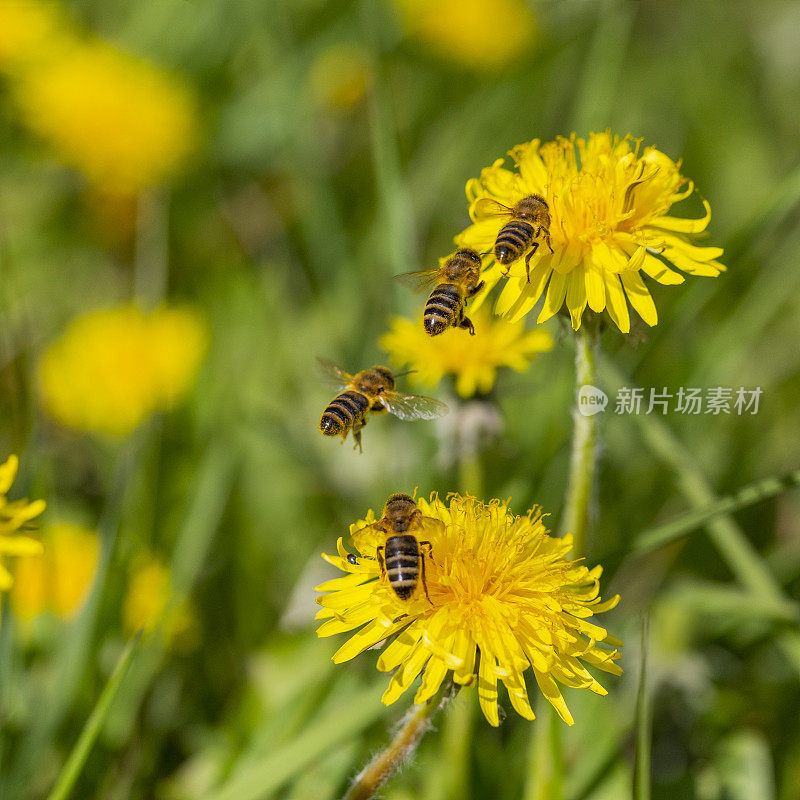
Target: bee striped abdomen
{"points": [[443, 309], [402, 559], [342, 412], [512, 241]]}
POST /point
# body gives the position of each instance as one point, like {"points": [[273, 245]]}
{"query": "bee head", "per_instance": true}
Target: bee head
{"points": [[471, 255], [387, 377], [399, 509], [531, 207]]}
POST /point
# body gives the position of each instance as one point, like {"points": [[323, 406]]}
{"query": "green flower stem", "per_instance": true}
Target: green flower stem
{"points": [[152, 247], [545, 769], [470, 474], [644, 725], [388, 761], [575, 518]]}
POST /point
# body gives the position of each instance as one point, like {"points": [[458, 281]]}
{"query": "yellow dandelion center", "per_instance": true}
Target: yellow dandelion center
{"points": [[503, 600], [473, 360], [608, 202]]}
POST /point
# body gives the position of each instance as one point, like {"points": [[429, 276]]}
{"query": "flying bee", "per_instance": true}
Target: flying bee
{"points": [[371, 391], [402, 555], [529, 220], [455, 282]]}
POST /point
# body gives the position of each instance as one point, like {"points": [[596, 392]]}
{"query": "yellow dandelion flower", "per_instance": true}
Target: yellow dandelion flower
{"points": [[608, 201], [473, 360], [121, 121], [339, 77], [481, 34], [30, 32], [60, 580], [111, 369], [13, 516], [503, 600]]}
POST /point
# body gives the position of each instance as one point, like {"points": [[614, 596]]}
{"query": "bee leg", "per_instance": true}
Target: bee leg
{"points": [[357, 426], [422, 560], [379, 554], [466, 324], [475, 291], [534, 248], [547, 238]]}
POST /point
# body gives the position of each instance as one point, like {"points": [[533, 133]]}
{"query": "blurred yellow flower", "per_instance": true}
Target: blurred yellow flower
{"points": [[30, 32], [608, 201], [13, 516], [113, 368], [473, 360], [60, 580], [147, 602], [482, 34], [340, 76], [503, 600], [121, 121]]}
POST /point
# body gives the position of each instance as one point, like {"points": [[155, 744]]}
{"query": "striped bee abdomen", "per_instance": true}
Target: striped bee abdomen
{"points": [[443, 309], [402, 559], [512, 241], [342, 412]]}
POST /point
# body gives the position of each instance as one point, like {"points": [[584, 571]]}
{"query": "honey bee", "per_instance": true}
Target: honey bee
{"points": [[371, 391], [530, 219], [402, 555], [455, 282]]}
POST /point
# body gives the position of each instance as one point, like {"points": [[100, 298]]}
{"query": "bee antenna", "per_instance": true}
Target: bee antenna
{"points": [[407, 372]]}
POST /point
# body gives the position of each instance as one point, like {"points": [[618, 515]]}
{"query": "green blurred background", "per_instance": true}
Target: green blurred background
{"points": [[334, 141]]}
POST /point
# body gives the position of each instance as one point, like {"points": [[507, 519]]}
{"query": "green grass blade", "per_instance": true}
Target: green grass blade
{"points": [[741, 557], [753, 493], [643, 726], [333, 729], [77, 758], [75, 647]]}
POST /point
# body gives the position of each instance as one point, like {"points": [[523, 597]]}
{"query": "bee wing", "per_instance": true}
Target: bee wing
{"points": [[430, 527], [412, 406], [368, 539], [420, 281], [333, 375], [486, 207]]}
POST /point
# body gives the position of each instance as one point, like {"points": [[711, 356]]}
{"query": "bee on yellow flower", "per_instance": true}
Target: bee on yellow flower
{"points": [[472, 360], [501, 602], [14, 516], [608, 200], [113, 368]]}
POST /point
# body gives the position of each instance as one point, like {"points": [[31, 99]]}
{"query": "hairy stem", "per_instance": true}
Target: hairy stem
{"points": [[575, 518], [388, 761]]}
